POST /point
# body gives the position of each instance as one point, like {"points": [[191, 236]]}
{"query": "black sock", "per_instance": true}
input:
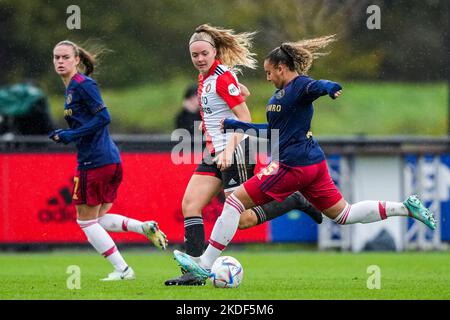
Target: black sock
{"points": [[274, 209], [194, 234]]}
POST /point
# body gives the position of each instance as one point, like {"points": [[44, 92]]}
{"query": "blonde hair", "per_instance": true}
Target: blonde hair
{"points": [[88, 59], [300, 55], [233, 49]]}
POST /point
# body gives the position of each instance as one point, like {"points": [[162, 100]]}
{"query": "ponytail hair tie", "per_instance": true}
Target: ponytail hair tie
{"points": [[285, 52]]}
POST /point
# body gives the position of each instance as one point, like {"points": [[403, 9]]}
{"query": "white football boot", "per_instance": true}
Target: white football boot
{"points": [[127, 274]]}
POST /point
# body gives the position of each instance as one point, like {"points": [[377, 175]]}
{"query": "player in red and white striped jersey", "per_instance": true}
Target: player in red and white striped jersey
{"points": [[219, 98], [215, 53]]}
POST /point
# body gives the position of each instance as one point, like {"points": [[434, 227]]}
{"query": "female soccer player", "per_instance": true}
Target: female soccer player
{"points": [[301, 165], [99, 171], [215, 53]]}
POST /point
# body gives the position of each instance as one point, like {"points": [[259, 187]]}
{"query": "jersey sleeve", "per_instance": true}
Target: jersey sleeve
{"points": [[228, 89], [313, 89], [91, 95], [302, 86]]}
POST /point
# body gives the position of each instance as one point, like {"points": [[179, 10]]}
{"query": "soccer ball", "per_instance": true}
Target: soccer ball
{"points": [[226, 272]]}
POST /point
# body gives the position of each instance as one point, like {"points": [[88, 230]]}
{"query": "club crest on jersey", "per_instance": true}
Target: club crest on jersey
{"points": [[208, 88], [69, 98], [233, 90], [280, 94]]}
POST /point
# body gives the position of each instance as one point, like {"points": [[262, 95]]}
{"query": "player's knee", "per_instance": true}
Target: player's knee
{"points": [[190, 207]]}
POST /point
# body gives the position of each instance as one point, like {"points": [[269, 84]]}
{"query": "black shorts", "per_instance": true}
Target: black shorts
{"points": [[242, 168]]}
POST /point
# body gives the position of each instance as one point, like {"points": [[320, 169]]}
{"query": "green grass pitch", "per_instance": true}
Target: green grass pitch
{"points": [[268, 275]]}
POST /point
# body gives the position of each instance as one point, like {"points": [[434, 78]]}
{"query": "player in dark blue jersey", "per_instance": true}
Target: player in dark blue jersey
{"points": [[300, 164], [99, 171], [213, 50]]}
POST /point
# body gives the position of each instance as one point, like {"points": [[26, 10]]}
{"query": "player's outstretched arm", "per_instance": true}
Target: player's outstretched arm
{"points": [[318, 88], [260, 130]]}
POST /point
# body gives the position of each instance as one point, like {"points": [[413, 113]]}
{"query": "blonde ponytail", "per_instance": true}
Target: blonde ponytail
{"points": [[233, 49]]}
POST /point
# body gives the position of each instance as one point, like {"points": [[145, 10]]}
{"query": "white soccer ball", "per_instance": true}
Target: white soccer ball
{"points": [[226, 272]]}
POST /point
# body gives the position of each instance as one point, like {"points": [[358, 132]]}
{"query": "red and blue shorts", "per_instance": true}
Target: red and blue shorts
{"points": [[97, 186], [278, 181]]}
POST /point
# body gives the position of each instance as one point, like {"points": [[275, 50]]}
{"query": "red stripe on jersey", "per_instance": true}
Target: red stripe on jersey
{"points": [[213, 68], [199, 92], [209, 143], [78, 78], [228, 89]]}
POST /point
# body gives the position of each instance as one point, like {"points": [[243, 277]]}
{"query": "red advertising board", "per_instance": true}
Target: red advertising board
{"points": [[35, 194]]}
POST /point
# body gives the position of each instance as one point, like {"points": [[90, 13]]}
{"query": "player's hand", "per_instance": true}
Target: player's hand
{"points": [[65, 136], [222, 127], [200, 126], [335, 91], [54, 135], [224, 160], [337, 94]]}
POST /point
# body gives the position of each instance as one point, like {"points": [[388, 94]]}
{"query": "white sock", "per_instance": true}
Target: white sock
{"points": [[223, 231], [102, 242], [370, 211], [117, 223]]}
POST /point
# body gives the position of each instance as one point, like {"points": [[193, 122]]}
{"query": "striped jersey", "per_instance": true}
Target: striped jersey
{"points": [[218, 94]]}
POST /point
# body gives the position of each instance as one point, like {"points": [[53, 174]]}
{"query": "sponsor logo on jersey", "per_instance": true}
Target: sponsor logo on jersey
{"points": [[208, 88], [68, 112], [204, 100], [207, 110], [233, 90], [273, 108], [232, 182]]}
